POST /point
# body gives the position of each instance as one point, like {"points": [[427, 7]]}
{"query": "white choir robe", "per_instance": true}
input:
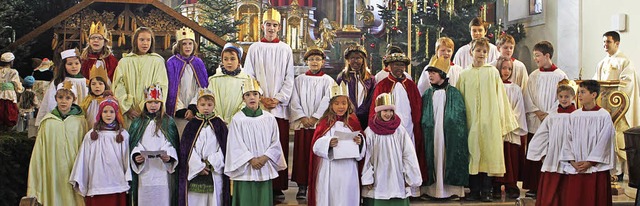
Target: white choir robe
{"points": [[187, 91], [464, 59], [310, 98], [251, 137], [591, 139], [272, 65], [438, 189], [102, 165], [49, 100], [517, 106], [404, 109], [382, 74], [519, 74], [92, 112], [153, 173], [207, 148], [540, 95], [390, 163], [424, 83], [548, 142], [338, 180], [618, 67]]}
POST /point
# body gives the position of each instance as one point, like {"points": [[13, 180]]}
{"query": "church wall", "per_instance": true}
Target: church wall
{"points": [[596, 19]]}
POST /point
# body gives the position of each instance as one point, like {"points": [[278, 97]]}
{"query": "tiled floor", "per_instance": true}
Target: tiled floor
{"points": [[624, 199]]}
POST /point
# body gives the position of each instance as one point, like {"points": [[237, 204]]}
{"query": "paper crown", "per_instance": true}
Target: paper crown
{"points": [[235, 47], [45, 65], [355, 48], [339, 90], [314, 50], [271, 14], [98, 28], [385, 101], [438, 64], [67, 85], [153, 93], [98, 70], [251, 85], [185, 33], [569, 83], [7, 57], [396, 57], [69, 53], [204, 92]]}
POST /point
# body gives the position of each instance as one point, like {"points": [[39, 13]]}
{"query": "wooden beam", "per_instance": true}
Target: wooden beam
{"points": [[191, 24], [46, 26]]}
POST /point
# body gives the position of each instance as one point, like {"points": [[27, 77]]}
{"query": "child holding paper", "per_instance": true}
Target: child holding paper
{"points": [[337, 178], [391, 164], [154, 178]]}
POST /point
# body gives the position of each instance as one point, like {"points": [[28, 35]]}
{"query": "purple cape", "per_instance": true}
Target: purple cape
{"points": [[175, 68], [189, 137]]}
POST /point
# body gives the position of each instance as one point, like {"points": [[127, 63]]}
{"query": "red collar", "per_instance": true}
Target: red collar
{"points": [[451, 64], [569, 109], [309, 73], [276, 40], [596, 108], [394, 79], [513, 59], [553, 68], [506, 81]]}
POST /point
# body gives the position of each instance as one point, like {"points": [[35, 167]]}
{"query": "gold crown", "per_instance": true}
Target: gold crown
{"points": [[439, 63], [569, 83], [355, 48], [339, 90], [153, 93], [271, 14], [67, 85], [204, 92], [98, 70], [396, 57], [98, 28], [250, 85], [185, 33], [314, 50], [385, 99]]}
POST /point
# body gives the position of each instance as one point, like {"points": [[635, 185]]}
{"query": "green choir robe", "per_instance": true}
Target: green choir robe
{"points": [[456, 167], [227, 91], [134, 74], [54, 154], [489, 118]]}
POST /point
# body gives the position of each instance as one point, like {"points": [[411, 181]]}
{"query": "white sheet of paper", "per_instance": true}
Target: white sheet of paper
{"points": [[346, 148], [153, 154]]}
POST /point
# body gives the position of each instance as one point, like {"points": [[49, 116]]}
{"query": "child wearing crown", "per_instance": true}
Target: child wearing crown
{"points": [[154, 153], [444, 121], [186, 73], [254, 151], [359, 80], [97, 54], [309, 100], [10, 85], [98, 88], [55, 150], [548, 143], [270, 61], [68, 71], [227, 83], [101, 172], [335, 181], [202, 149], [137, 70], [391, 165]]}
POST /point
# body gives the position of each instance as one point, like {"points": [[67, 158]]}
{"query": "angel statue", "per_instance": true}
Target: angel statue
{"points": [[327, 34]]}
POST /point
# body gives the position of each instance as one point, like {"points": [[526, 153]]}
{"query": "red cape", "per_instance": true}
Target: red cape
{"points": [[110, 64], [322, 128], [415, 100]]}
